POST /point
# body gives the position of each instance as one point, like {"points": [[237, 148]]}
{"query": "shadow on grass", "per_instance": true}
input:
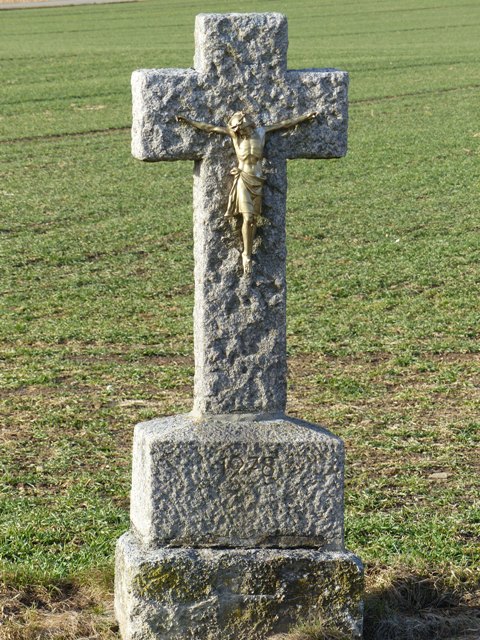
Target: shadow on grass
{"points": [[421, 607], [410, 606]]}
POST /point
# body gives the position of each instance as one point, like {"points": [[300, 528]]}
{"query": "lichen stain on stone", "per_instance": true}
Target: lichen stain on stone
{"points": [[265, 581], [166, 583], [328, 592], [252, 618], [342, 582]]}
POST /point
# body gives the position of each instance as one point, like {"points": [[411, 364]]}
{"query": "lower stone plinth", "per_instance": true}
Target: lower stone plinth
{"points": [[232, 594]]}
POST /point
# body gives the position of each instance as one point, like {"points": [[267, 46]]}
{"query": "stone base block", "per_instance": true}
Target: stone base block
{"points": [[232, 594], [237, 481]]}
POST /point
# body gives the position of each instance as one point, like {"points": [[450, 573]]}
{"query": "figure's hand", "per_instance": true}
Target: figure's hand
{"points": [[181, 119], [312, 115]]}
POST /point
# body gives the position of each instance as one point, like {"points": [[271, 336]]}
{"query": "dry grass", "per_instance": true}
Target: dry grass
{"points": [[422, 607], [67, 613], [399, 606]]}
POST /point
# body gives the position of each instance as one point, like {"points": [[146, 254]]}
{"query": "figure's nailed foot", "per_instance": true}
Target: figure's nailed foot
{"points": [[247, 264]]}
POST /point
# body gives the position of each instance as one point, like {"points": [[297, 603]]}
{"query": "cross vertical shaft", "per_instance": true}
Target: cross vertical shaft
{"points": [[239, 325]]}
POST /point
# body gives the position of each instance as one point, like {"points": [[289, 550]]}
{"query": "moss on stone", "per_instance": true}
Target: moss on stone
{"points": [[266, 579], [167, 582], [251, 618], [247, 594]]}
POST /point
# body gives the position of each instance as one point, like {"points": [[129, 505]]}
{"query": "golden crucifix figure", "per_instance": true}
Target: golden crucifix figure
{"points": [[245, 197]]}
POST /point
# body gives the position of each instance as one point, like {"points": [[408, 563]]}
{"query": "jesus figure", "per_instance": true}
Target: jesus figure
{"points": [[245, 198]]}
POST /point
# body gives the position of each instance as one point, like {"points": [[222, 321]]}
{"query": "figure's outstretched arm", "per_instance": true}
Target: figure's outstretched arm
{"points": [[203, 126], [287, 124]]}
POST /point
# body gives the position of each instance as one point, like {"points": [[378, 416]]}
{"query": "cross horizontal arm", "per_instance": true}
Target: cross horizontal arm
{"points": [[159, 95], [324, 91]]}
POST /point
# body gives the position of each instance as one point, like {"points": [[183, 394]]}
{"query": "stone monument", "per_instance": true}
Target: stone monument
{"points": [[237, 509]]}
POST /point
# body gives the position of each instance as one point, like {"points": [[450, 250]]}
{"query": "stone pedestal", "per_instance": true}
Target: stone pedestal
{"points": [[237, 531], [237, 481], [232, 594]]}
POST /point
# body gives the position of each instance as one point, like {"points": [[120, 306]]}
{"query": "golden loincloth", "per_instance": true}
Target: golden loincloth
{"points": [[245, 195]]}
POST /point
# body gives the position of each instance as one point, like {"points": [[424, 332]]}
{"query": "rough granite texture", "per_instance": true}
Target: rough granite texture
{"points": [[240, 63], [236, 509], [237, 482], [232, 594]]}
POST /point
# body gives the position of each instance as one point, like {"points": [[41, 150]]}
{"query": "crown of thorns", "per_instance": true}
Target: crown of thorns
{"points": [[238, 119]]}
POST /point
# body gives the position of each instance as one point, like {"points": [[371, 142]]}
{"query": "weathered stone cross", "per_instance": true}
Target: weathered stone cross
{"points": [[240, 65], [236, 509]]}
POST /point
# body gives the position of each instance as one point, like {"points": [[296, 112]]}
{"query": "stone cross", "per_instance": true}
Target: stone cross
{"points": [[236, 509], [240, 65]]}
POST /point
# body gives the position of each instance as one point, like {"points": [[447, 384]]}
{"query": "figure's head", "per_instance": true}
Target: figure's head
{"points": [[240, 121]]}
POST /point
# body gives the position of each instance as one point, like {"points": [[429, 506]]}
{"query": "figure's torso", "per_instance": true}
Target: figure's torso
{"points": [[249, 151]]}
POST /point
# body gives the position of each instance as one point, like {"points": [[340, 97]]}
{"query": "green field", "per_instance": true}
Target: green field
{"points": [[97, 292]]}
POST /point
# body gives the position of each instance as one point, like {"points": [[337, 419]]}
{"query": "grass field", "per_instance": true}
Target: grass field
{"points": [[384, 317]]}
